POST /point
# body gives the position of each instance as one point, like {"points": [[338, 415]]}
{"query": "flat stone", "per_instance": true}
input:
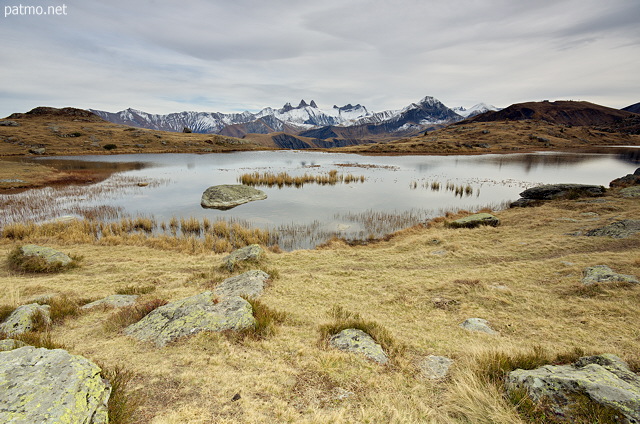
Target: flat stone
{"points": [[475, 220], [251, 284], [114, 301], [229, 196], [604, 274], [51, 386], [435, 367], [22, 319], [562, 191], [478, 324], [190, 316], [619, 229], [248, 253], [604, 379], [357, 341]]}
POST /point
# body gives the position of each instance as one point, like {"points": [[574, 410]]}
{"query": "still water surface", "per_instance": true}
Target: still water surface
{"points": [[397, 186]]}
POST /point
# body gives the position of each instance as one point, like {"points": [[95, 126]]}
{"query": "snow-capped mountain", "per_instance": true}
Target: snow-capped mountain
{"points": [[474, 110], [306, 117]]}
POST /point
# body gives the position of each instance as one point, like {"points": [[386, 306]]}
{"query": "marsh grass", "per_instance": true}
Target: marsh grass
{"points": [[124, 399], [130, 315], [341, 319], [63, 307], [36, 339], [135, 290], [282, 179], [267, 322]]}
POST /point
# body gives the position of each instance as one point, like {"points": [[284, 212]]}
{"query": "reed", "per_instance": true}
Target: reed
{"points": [[283, 179]]}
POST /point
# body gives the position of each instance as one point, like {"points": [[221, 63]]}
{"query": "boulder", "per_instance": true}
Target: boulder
{"points": [[604, 379], [435, 367], [24, 319], [250, 284], [39, 385], [562, 191], [478, 324], [229, 196], [114, 301], [38, 150], [192, 315], [525, 203], [631, 192], [476, 220], [248, 253], [618, 229], [627, 181], [10, 344], [5, 123], [357, 341], [49, 255], [604, 274]]}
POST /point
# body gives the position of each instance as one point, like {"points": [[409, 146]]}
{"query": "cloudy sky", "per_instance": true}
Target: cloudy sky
{"points": [[165, 56]]}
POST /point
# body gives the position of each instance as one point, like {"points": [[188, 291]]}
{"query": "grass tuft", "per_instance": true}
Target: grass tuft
{"points": [[131, 314], [267, 320], [62, 307], [123, 401], [139, 290]]}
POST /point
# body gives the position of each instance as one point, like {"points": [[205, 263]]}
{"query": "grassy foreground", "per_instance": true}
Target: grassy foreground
{"points": [[522, 276]]}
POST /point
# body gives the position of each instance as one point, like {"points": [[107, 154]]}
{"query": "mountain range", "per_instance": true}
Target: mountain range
{"points": [[349, 124]]}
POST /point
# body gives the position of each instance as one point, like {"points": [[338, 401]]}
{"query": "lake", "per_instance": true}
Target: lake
{"points": [[398, 191]]}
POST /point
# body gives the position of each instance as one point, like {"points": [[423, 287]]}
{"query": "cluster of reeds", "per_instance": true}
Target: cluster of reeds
{"points": [[458, 190], [185, 234], [281, 179]]}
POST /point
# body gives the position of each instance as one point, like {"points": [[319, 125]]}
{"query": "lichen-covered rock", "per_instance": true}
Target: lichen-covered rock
{"points": [[604, 379], [248, 253], [475, 220], [229, 196], [357, 341], [619, 229], [478, 324], [435, 367], [114, 301], [562, 191], [49, 254], [604, 274], [51, 386], [24, 318], [10, 344], [631, 192], [250, 284], [192, 315]]}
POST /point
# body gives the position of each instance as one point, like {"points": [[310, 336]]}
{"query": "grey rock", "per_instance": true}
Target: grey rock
{"points": [[229, 196], [357, 341], [618, 229], [604, 274], [475, 220], [631, 192], [50, 256], [562, 191], [525, 203], [114, 301], [627, 181], [10, 344], [12, 180], [38, 150], [435, 367], [190, 316], [248, 253], [23, 319], [6, 123], [604, 379], [478, 324], [250, 284], [51, 386]]}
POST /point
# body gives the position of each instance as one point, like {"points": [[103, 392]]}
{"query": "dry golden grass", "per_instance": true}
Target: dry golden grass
{"points": [[522, 276], [281, 179]]}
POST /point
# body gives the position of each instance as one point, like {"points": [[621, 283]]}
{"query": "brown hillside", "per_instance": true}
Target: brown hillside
{"points": [[564, 112]]}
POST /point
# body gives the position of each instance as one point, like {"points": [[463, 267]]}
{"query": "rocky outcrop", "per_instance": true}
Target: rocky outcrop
{"points": [[604, 379], [249, 253], [229, 196], [24, 319], [627, 181], [604, 274], [192, 315], [357, 341], [114, 301], [618, 229], [49, 255], [478, 324], [250, 284], [630, 192], [476, 220], [51, 386], [534, 195], [435, 367]]}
